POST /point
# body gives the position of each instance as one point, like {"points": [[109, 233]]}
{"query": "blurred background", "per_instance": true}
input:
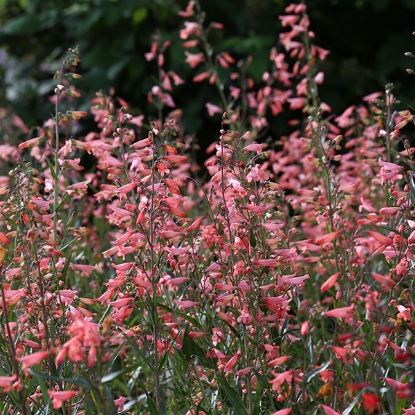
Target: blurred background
{"points": [[367, 40]]}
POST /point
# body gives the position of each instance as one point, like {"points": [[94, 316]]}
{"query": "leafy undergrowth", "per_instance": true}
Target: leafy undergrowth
{"points": [[280, 284]]}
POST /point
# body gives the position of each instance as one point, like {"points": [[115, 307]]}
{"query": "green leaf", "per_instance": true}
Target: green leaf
{"points": [[23, 24], [115, 355], [315, 372], [152, 406], [258, 395], [146, 359], [52, 170], [179, 313], [117, 67], [262, 380], [191, 349], [139, 15], [252, 239], [11, 222], [233, 397], [353, 403], [167, 354], [30, 24], [62, 204], [43, 387], [122, 386], [64, 272], [111, 376], [81, 381]]}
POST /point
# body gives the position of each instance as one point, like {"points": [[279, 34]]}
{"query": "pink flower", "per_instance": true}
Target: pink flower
{"points": [[271, 262], [257, 174], [343, 312], [232, 362], [404, 313], [305, 328], [327, 238], [183, 304], [276, 304], [194, 59], [253, 147], [122, 302], [389, 172], [278, 361], [380, 238], [189, 29], [120, 403], [225, 59], [32, 360], [280, 379], [296, 103], [30, 143], [201, 77], [6, 382], [289, 19], [283, 412], [372, 97], [329, 411], [213, 109], [330, 282], [189, 10], [153, 53], [59, 397], [244, 372]]}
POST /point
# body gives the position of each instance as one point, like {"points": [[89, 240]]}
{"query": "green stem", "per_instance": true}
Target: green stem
{"points": [[12, 350], [154, 285]]}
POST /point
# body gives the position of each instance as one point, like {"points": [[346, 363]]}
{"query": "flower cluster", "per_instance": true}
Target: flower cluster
{"points": [[277, 280]]}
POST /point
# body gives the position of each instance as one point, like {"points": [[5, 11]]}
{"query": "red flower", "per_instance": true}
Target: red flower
{"points": [[59, 397], [371, 402]]}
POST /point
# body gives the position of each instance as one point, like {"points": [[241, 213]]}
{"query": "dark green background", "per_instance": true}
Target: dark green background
{"points": [[367, 39]]}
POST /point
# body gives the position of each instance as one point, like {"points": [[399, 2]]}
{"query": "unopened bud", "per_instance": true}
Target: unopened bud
{"points": [[3, 253]]}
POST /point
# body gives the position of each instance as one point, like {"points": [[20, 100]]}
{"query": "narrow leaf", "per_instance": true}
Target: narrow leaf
{"points": [[111, 376], [233, 397]]}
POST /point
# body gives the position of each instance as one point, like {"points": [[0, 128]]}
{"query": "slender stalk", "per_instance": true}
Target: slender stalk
{"points": [[208, 54], [56, 161], [154, 285], [44, 310], [8, 335]]}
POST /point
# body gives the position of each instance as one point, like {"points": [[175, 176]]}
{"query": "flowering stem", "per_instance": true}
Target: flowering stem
{"points": [[154, 283], [10, 342], [208, 54], [44, 310], [56, 172]]}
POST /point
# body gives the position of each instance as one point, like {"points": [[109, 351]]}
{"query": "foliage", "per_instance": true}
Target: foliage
{"points": [[114, 36], [280, 281]]}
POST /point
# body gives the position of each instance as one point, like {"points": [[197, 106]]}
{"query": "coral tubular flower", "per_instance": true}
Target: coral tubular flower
{"points": [[285, 411], [194, 59], [32, 360], [380, 238], [329, 411], [343, 312], [330, 282], [30, 143], [6, 383], [58, 397]]}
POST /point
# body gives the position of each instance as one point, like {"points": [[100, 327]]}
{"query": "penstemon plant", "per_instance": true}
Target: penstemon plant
{"points": [[279, 281]]}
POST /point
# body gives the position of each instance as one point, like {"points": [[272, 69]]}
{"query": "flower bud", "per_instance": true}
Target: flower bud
{"points": [[3, 253]]}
